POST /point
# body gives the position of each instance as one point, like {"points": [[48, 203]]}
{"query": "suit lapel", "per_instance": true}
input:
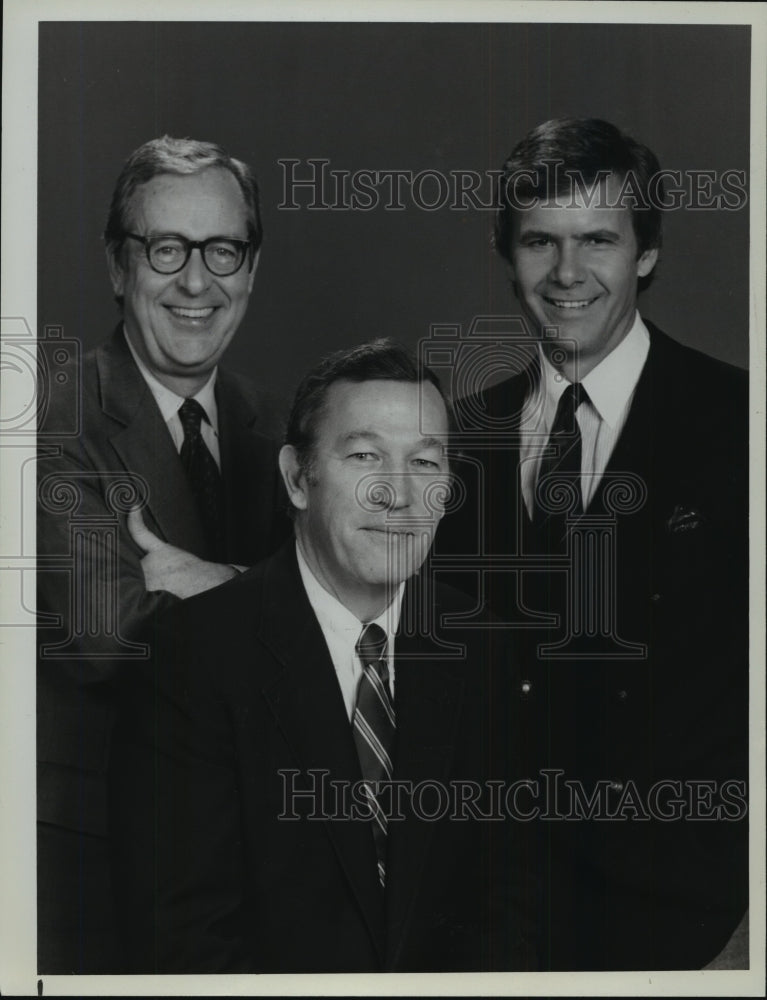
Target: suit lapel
{"points": [[306, 700], [633, 447], [428, 693], [513, 401], [510, 528], [248, 500], [645, 447], [145, 447], [492, 514]]}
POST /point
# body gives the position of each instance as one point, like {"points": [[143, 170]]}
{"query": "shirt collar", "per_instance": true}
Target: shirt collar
{"points": [[169, 401], [610, 385], [337, 618]]}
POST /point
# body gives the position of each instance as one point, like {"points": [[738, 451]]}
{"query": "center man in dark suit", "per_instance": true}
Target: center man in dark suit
{"points": [[606, 524], [300, 782]]}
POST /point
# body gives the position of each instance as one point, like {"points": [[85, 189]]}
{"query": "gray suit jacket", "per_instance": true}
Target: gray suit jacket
{"points": [[103, 444]]}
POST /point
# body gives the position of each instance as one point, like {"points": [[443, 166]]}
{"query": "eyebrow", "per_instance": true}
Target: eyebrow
{"points": [[161, 233], [589, 234], [370, 435]]}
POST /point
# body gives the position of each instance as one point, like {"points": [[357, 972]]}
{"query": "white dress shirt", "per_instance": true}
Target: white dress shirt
{"points": [[169, 403], [611, 386], [342, 629]]}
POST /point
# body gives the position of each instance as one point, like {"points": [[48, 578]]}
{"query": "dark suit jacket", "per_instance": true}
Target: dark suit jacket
{"points": [[87, 480], [632, 893], [243, 694]]}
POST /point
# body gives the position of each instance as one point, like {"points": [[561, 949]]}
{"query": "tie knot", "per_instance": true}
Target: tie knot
{"points": [[575, 394], [569, 402], [371, 644], [191, 415]]}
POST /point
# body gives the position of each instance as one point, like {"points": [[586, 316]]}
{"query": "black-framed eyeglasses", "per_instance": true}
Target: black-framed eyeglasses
{"points": [[169, 254]]}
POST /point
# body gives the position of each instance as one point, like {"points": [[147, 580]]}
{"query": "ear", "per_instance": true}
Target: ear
{"points": [[647, 262], [293, 477], [116, 272], [252, 274]]}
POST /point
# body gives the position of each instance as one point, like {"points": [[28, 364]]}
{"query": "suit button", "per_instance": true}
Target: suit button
{"points": [[525, 687]]}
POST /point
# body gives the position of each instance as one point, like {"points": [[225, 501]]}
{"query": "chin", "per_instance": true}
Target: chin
{"points": [[386, 578]]}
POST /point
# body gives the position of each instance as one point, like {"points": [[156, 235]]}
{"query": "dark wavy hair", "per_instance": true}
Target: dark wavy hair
{"points": [[547, 160]]}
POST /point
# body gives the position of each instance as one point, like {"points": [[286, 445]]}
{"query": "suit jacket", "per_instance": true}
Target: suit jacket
{"points": [[661, 695], [102, 444], [224, 862]]}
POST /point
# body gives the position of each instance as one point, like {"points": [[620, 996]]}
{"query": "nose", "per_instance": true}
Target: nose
{"points": [[393, 491], [390, 491], [194, 277], [406, 490], [567, 270]]}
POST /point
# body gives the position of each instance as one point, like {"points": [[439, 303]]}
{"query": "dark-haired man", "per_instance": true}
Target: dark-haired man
{"points": [[159, 425], [289, 798], [616, 498]]}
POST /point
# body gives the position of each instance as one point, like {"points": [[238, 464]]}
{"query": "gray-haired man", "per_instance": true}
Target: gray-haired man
{"points": [[157, 419]]}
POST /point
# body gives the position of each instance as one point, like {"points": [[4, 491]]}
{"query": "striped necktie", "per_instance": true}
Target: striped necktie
{"points": [[373, 727]]}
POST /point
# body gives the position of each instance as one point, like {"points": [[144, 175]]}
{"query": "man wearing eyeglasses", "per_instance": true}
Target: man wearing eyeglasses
{"points": [[164, 428]]}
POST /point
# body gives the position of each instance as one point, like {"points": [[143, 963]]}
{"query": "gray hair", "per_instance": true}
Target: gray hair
{"points": [[167, 155]]}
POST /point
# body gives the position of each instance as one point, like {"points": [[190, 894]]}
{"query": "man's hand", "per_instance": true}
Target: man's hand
{"points": [[168, 568]]}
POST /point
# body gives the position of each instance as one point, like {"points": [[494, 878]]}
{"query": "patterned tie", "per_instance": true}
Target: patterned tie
{"points": [[204, 477], [565, 447], [373, 728]]}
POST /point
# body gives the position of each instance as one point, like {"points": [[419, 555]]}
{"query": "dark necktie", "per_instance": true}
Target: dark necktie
{"points": [[204, 477], [562, 460], [373, 728]]}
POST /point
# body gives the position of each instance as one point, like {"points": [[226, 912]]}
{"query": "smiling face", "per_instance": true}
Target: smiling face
{"points": [[369, 505], [576, 269], [180, 324]]}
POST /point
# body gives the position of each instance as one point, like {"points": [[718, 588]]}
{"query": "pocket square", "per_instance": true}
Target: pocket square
{"points": [[684, 519]]}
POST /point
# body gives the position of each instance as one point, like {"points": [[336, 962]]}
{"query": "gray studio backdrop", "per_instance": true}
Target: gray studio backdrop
{"points": [[375, 97]]}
